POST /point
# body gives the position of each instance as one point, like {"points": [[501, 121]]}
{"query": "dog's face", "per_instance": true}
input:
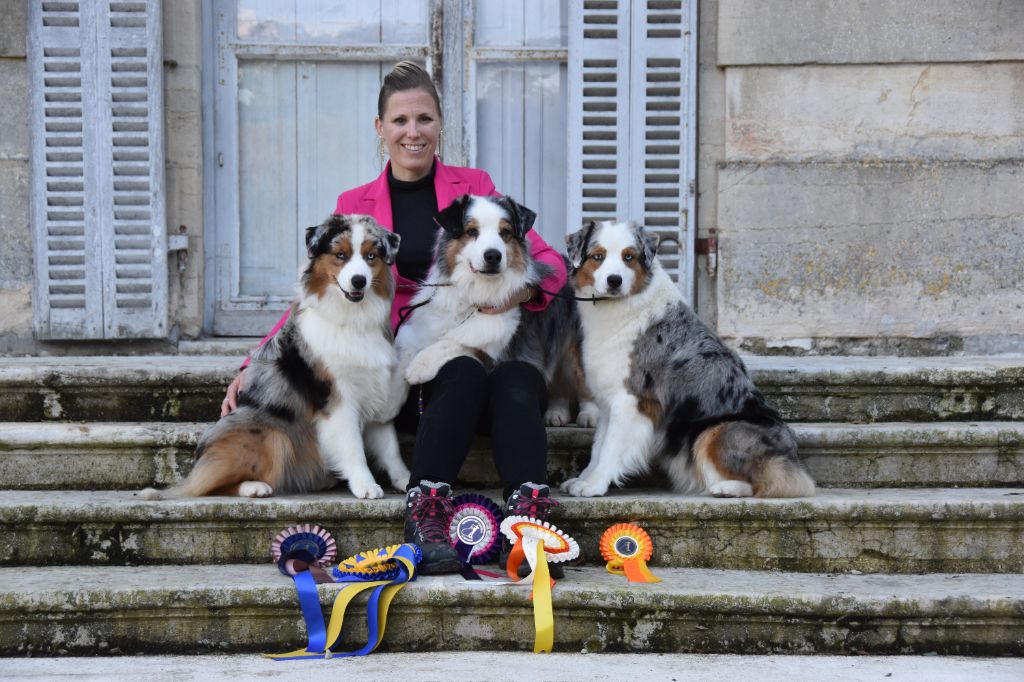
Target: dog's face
{"points": [[611, 258], [487, 235], [351, 253]]}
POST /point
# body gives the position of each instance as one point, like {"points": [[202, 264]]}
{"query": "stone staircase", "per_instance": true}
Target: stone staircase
{"points": [[914, 544]]}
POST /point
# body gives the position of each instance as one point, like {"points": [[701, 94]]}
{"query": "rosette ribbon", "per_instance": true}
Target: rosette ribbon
{"points": [[538, 542], [384, 571], [627, 548], [475, 532]]}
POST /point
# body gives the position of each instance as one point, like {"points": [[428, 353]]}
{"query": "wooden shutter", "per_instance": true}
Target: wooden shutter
{"points": [[631, 111], [598, 111], [98, 214]]}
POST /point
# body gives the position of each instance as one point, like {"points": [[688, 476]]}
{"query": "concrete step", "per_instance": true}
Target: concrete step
{"points": [[553, 667], [133, 455], [237, 608], [812, 389], [883, 530]]}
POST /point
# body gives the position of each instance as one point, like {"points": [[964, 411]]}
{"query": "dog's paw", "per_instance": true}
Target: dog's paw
{"points": [[582, 487], [424, 366], [557, 416], [255, 489], [400, 480], [731, 489], [587, 417], [366, 490]]}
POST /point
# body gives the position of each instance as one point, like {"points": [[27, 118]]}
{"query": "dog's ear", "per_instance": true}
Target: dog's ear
{"points": [[387, 245], [452, 218], [311, 238], [522, 217], [648, 243], [578, 243]]}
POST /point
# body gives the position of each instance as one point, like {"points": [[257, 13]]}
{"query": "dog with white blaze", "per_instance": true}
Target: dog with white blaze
{"points": [[317, 392], [482, 259], [668, 390]]}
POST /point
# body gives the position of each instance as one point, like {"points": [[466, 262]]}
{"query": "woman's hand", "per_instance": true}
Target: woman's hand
{"points": [[230, 402], [525, 296]]}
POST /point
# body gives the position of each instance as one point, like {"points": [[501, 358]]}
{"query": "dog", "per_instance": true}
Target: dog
{"points": [[482, 258], [668, 389], [317, 392]]}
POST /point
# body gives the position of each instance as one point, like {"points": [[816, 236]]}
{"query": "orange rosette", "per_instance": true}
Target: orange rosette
{"points": [[627, 548]]}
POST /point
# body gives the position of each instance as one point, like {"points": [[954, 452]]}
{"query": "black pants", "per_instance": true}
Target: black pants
{"points": [[464, 399]]}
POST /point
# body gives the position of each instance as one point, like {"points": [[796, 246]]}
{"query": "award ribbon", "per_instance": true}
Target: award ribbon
{"points": [[627, 548], [385, 571], [475, 533], [538, 542]]}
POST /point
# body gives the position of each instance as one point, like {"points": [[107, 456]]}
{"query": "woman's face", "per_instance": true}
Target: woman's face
{"points": [[411, 127]]}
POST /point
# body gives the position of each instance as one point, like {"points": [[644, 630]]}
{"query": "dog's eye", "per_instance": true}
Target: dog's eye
{"points": [[627, 257], [505, 235], [370, 257], [597, 257], [341, 256], [473, 232]]}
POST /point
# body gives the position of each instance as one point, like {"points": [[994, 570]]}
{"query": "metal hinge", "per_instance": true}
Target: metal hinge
{"points": [[708, 246], [179, 243]]}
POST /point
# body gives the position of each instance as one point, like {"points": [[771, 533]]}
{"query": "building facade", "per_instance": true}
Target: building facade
{"points": [[828, 177]]}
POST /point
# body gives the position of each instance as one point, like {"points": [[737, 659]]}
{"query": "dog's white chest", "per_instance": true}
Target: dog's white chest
{"points": [[610, 332]]}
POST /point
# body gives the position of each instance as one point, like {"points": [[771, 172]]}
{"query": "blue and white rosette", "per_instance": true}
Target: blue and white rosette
{"points": [[475, 528]]}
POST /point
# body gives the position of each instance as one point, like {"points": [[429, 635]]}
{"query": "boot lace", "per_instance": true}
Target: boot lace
{"points": [[432, 515], [537, 507]]}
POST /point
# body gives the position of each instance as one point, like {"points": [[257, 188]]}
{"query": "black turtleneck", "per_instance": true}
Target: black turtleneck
{"points": [[413, 207]]}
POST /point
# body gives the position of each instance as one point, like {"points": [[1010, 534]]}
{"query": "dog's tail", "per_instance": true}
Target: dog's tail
{"points": [[761, 455], [783, 477]]}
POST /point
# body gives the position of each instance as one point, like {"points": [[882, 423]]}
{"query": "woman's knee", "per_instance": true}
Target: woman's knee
{"points": [[463, 373], [517, 384]]}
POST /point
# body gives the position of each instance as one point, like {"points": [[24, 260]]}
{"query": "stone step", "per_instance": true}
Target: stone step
{"points": [[133, 455], [236, 608], [812, 389], [972, 530], [553, 667]]}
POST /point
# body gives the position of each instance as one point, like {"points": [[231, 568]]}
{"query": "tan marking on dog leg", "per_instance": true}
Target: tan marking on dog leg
{"points": [[709, 457]]}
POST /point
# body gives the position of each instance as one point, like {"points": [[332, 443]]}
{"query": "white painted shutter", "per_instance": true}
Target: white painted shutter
{"points": [[98, 214], [660, 105], [631, 110], [598, 110]]}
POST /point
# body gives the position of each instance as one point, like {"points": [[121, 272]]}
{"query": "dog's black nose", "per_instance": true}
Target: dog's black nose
{"points": [[358, 282], [492, 256], [614, 281]]}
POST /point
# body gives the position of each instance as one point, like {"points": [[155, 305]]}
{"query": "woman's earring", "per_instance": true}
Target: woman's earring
{"points": [[440, 144], [380, 150]]}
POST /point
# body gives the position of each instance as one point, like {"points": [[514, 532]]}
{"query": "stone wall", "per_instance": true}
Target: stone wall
{"points": [[15, 232], [870, 188]]}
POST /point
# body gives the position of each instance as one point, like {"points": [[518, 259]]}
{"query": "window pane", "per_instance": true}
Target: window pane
{"points": [[521, 137], [521, 23], [333, 21], [305, 134]]}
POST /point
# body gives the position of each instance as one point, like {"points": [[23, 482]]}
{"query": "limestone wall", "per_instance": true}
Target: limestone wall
{"points": [[870, 187]]}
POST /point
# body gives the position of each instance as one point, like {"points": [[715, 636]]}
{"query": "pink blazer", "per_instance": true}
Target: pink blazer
{"points": [[450, 182]]}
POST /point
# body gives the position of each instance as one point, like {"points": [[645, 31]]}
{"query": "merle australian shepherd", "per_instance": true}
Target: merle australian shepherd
{"points": [[667, 388], [482, 258], [317, 392]]}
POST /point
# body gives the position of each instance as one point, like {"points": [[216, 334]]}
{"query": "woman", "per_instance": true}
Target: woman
{"points": [[510, 401]]}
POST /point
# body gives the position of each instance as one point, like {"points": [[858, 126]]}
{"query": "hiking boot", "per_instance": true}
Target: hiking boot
{"points": [[428, 512], [530, 500]]}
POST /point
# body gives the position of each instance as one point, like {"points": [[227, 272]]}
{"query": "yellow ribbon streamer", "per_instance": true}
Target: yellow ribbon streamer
{"points": [[543, 614]]}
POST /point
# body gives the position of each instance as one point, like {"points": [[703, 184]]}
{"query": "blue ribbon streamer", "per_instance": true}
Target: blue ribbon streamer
{"points": [[309, 600]]}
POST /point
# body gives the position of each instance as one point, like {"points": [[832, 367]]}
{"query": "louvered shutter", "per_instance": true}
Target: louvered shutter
{"points": [[97, 170], [632, 143], [598, 110]]}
